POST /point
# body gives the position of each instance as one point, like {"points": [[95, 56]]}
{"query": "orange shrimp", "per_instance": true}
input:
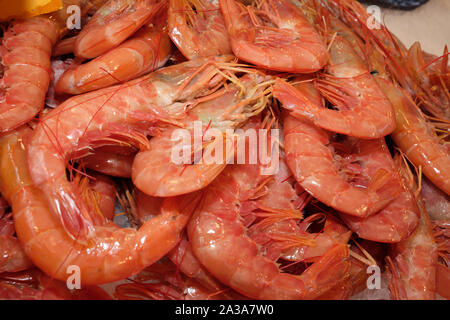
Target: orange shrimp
{"points": [[25, 61], [399, 218], [185, 260], [114, 22], [197, 28], [311, 157], [417, 139], [109, 253], [147, 50], [157, 175], [363, 110], [412, 262], [119, 115], [219, 241], [12, 255], [274, 34], [432, 79]]}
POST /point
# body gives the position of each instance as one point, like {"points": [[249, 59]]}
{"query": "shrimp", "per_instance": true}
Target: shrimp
{"points": [[109, 253], [417, 139], [197, 28], [12, 255], [25, 68], [154, 171], [219, 242], [398, 219], [114, 22], [183, 257], [363, 110], [147, 50], [437, 205], [118, 115], [320, 171], [412, 262], [273, 215], [432, 80], [275, 35]]}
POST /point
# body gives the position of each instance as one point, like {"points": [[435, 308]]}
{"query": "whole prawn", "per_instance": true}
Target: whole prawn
{"points": [[275, 35], [200, 32], [157, 175], [110, 253], [113, 22], [25, 67]]}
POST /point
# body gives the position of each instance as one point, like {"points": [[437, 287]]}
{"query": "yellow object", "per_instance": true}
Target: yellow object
{"points": [[10, 9]]}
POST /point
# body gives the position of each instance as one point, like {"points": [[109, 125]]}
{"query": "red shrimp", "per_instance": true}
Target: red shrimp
{"points": [[157, 174], [274, 34], [114, 22], [197, 28]]}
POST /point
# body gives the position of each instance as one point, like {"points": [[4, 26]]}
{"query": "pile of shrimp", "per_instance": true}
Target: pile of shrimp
{"points": [[93, 207]]}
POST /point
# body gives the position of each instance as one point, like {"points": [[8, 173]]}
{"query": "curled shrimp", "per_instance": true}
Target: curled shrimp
{"points": [[362, 108], [25, 64], [147, 50], [275, 35], [197, 28], [310, 155], [399, 218], [114, 22], [120, 115], [110, 253], [156, 174]]}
